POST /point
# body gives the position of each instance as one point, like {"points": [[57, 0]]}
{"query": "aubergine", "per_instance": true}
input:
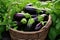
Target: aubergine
{"points": [[45, 17], [36, 19], [31, 10], [18, 16], [38, 26], [34, 24], [21, 26], [33, 16], [29, 24]]}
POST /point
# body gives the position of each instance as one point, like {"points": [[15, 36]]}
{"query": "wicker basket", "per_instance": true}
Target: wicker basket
{"points": [[36, 35]]}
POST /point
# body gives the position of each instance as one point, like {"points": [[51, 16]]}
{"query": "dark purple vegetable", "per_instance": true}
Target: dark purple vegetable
{"points": [[36, 19], [18, 17], [27, 28], [33, 16], [30, 9], [21, 26], [38, 26], [31, 24], [30, 27], [45, 17], [34, 24]]}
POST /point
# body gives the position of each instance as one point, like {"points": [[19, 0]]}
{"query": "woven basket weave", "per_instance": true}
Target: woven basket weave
{"points": [[36, 35]]}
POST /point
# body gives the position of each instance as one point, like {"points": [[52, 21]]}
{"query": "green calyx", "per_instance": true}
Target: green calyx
{"points": [[27, 15], [40, 18], [23, 21], [31, 21]]}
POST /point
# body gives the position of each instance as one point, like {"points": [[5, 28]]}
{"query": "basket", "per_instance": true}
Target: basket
{"points": [[36, 35]]}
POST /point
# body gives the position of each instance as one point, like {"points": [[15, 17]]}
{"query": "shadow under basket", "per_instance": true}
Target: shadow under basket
{"points": [[36, 35]]}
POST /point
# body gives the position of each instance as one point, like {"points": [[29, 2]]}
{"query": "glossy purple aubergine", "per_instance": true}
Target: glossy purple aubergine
{"points": [[31, 10], [45, 17], [18, 17], [38, 26]]}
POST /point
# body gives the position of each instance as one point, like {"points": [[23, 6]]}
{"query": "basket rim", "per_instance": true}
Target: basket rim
{"points": [[49, 22]]}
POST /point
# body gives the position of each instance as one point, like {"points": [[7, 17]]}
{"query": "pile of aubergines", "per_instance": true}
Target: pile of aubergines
{"points": [[30, 19]]}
